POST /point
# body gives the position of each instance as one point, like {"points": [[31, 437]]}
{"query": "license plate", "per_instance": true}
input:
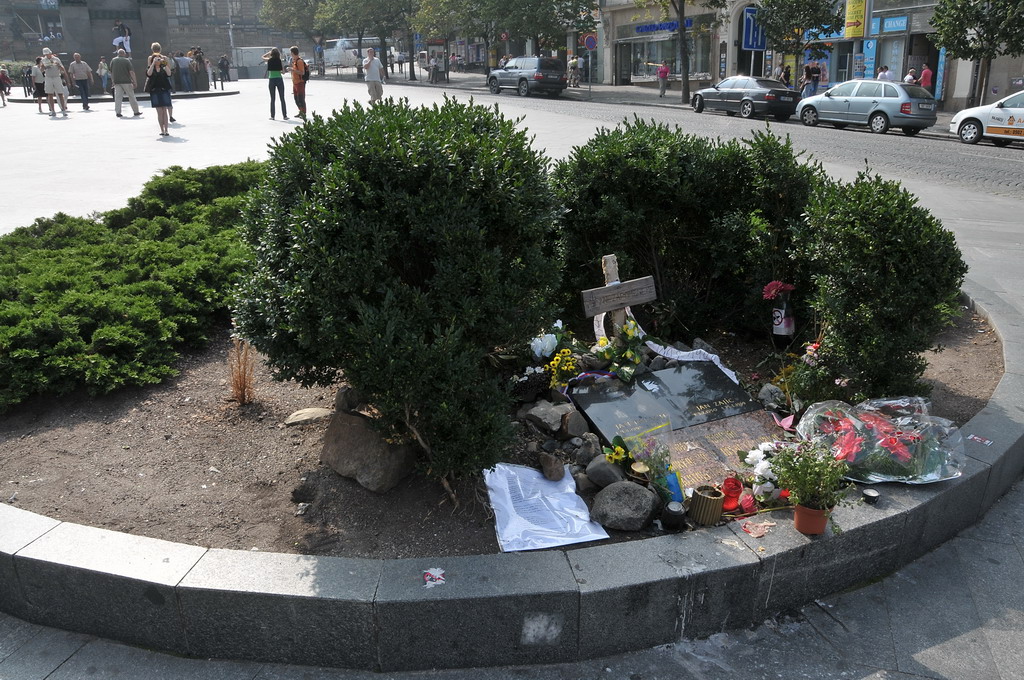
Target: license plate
{"points": [[786, 99], [926, 107]]}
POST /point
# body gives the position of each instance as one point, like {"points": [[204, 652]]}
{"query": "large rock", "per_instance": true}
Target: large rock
{"points": [[603, 473], [548, 416], [573, 425], [353, 449], [626, 506], [347, 399]]}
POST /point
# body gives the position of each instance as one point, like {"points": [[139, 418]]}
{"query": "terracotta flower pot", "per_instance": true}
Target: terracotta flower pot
{"points": [[809, 521]]}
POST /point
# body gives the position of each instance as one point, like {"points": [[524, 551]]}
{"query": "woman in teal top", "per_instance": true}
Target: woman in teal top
{"points": [[276, 81]]}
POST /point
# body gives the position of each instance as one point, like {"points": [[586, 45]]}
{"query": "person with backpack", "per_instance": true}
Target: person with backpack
{"points": [[300, 76]]}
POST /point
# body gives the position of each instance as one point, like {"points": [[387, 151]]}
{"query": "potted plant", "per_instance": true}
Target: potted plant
{"points": [[815, 480]]}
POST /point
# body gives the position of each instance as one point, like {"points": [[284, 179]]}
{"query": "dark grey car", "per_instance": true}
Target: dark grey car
{"points": [[530, 74], [748, 97]]}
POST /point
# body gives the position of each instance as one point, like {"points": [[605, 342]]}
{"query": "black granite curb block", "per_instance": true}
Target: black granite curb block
{"points": [[508, 609]]}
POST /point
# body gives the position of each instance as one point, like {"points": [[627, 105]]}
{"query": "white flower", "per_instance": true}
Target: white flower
{"points": [[764, 470], [558, 325], [754, 456], [543, 345], [763, 489], [767, 446]]}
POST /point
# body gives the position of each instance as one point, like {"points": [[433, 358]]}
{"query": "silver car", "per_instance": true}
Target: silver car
{"points": [[875, 103]]}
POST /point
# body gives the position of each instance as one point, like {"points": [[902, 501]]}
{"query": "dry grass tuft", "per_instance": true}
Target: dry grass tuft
{"points": [[242, 370]]}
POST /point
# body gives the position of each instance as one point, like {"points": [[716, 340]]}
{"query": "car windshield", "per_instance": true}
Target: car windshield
{"points": [[770, 84], [917, 92]]}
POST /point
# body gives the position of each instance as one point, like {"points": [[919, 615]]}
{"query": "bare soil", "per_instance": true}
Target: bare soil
{"points": [[181, 462]]}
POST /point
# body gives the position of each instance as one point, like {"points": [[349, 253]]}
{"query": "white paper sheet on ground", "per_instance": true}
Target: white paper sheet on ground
{"points": [[531, 512]]}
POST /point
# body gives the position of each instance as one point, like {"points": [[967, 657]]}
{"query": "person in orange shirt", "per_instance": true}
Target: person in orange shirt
{"points": [[300, 74]]}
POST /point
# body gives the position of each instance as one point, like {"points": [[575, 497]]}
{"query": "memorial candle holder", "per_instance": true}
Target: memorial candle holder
{"points": [[706, 505]]}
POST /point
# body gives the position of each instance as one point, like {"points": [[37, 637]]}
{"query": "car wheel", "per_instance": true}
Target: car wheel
{"points": [[782, 117], [809, 116], [492, 85], [698, 104], [523, 89], [970, 131], [910, 132], [839, 126], [1002, 142], [746, 109], [879, 123]]}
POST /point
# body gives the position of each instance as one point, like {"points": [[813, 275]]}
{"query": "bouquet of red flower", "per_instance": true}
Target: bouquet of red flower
{"points": [[887, 440]]}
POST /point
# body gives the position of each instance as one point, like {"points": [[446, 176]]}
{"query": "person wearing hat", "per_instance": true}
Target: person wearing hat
{"points": [[53, 69], [911, 77]]}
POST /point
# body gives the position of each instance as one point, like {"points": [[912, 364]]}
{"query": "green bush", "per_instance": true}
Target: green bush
{"points": [[84, 303], [712, 221], [400, 246], [886, 275]]}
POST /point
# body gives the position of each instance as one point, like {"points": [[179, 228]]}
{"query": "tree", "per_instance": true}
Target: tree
{"points": [[482, 18], [677, 8], [292, 15], [979, 30], [793, 26]]}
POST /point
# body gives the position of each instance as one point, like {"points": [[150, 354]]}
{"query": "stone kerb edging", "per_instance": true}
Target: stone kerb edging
{"points": [[506, 609]]}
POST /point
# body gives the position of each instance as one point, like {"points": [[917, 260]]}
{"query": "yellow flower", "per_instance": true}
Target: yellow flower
{"points": [[565, 352], [602, 341]]}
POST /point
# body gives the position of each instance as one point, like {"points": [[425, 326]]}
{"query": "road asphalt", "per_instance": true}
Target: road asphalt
{"points": [[957, 612]]}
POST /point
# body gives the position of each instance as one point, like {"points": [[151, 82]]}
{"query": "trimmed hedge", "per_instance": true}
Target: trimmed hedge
{"points": [[104, 303], [399, 247]]}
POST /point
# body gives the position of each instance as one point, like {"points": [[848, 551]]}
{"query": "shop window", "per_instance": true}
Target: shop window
{"points": [[210, 8], [181, 8]]}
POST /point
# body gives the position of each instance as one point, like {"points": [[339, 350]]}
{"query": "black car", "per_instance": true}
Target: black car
{"points": [[530, 74], [748, 97]]}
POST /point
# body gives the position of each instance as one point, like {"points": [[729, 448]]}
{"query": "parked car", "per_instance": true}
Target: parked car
{"points": [[748, 97], [528, 75], [1001, 122], [875, 103]]}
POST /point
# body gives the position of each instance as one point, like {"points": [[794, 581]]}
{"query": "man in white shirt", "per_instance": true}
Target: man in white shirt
{"points": [[375, 75], [884, 74], [82, 75]]}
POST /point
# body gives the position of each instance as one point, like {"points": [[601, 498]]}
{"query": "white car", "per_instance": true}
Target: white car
{"points": [[1001, 122]]}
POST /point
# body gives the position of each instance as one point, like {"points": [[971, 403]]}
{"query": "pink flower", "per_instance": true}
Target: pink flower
{"points": [[773, 289]]}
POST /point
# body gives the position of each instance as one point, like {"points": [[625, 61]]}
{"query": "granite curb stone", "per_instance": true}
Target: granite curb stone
{"points": [[536, 607]]}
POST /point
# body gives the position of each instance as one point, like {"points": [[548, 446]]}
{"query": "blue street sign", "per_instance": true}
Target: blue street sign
{"points": [[753, 35]]}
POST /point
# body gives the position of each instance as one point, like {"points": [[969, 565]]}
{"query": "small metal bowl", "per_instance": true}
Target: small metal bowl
{"points": [[870, 496]]}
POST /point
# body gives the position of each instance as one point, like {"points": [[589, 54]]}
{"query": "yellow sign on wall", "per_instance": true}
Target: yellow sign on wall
{"points": [[855, 18]]}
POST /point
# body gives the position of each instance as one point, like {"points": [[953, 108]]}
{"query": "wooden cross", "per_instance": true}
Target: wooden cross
{"points": [[616, 296]]}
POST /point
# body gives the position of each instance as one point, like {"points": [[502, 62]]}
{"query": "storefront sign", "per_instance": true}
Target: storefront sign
{"points": [[858, 66], [940, 74], [856, 16], [894, 24], [670, 26]]}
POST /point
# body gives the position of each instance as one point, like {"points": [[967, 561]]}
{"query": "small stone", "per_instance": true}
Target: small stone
{"points": [[658, 363], [576, 442], [603, 473], [557, 397], [590, 448], [681, 346], [771, 394], [550, 445], [548, 416], [573, 425], [699, 343], [672, 363], [301, 509], [583, 483], [625, 506], [308, 415], [532, 447], [552, 467]]}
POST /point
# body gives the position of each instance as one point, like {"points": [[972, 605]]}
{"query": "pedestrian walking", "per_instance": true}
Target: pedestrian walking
{"points": [[574, 72], [225, 69], [805, 81], [184, 70], [663, 72], [122, 74], [787, 77], [81, 73], [911, 77], [158, 71], [815, 77], [401, 62], [375, 75], [275, 81], [884, 74], [103, 71], [300, 74], [53, 72]]}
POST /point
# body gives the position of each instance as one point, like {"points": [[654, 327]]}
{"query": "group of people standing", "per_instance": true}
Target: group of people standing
{"points": [[275, 78]]}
